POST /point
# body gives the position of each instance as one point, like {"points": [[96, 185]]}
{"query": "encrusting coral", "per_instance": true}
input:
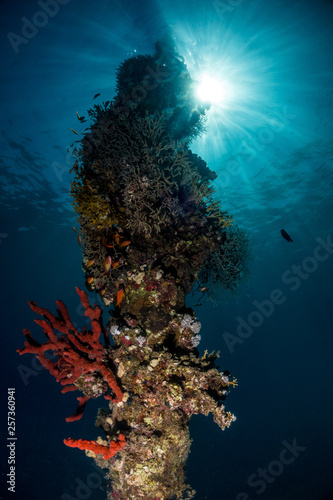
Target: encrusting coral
{"points": [[150, 229]]}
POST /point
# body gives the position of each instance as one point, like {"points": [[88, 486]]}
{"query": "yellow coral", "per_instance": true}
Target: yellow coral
{"points": [[233, 382], [91, 205]]}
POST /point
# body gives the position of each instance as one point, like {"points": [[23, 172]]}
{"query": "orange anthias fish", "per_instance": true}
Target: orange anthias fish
{"points": [[105, 243], [117, 238], [107, 264], [90, 280], [120, 296], [90, 263], [116, 264], [125, 243]]}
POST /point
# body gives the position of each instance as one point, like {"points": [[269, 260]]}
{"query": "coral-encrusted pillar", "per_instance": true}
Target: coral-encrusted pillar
{"points": [[165, 382], [150, 230], [148, 225]]}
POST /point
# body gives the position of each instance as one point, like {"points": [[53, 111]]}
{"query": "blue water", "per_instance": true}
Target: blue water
{"points": [[271, 145]]}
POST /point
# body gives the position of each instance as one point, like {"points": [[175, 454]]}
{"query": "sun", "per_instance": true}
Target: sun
{"points": [[213, 90]]}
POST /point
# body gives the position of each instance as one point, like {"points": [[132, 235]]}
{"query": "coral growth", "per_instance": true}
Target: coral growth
{"points": [[80, 356], [150, 229], [227, 266]]}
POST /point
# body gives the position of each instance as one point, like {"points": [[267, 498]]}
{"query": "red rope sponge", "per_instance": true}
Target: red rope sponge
{"points": [[107, 451]]}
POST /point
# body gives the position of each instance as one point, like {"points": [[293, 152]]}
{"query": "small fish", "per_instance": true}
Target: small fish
{"points": [[102, 292], [96, 95], [120, 296], [116, 264], [74, 131], [74, 229], [81, 118], [125, 243], [116, 238], [286, 236], [79, 240], [105, 244], [107, 264], [90, 280], [90, 263]]}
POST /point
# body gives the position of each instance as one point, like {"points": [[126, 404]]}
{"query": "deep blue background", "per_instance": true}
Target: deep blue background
{"points": [[271, 145]]}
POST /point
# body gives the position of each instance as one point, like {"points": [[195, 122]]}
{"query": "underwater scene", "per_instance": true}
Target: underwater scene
{"points": [[166, 242]]}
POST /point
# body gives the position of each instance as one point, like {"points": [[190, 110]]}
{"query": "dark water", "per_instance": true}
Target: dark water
{"points": [[271, 145]]}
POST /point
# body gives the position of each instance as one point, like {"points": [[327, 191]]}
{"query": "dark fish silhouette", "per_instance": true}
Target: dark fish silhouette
{"points": [[286, 236], [81, 118], [96, 95]]}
